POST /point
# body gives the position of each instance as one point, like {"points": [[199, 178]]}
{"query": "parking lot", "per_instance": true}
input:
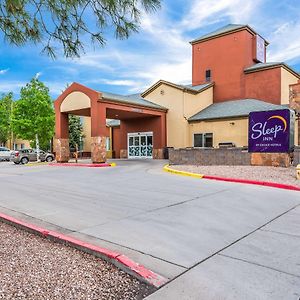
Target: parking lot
{"points": [[206, 237]]}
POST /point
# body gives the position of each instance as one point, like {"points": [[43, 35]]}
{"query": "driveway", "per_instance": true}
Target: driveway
{"points": [[213, 240]]}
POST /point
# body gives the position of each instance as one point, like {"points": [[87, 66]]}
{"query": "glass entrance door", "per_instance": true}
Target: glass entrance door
{"points": [[140, 145]]}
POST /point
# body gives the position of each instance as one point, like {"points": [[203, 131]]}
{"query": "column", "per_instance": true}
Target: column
{"points": [[61, 142], [98, 132]]}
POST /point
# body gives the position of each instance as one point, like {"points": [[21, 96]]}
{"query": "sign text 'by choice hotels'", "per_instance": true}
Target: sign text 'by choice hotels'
{"points": [[269, 131]]}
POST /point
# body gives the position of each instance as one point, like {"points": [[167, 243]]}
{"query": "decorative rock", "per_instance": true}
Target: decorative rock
{"points": [[158, 153], [98, 149], [271, 159], [123, 153], [298, 172], [62, 150]]}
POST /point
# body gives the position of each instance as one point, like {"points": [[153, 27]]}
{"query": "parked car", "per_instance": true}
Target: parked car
{"points": [[5, 153], [24, 156]]}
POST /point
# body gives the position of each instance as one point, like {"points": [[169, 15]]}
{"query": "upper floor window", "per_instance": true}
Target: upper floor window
{"points": [[208, 75]]}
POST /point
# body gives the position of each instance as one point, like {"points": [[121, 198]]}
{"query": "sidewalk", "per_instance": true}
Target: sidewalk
{"points": [[262, 266]]}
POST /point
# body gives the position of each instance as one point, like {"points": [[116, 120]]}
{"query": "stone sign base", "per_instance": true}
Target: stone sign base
{"points": [[62, 151], [232, 157], [123, 153], [158, 153], [271, 159], [98, 149]]}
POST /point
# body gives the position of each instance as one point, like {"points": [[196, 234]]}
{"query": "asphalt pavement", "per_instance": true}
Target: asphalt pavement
{"points": [[212, 240]]}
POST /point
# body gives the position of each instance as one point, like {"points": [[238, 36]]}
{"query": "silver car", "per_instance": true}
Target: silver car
{"points": [[24, 156], [4, 153]]}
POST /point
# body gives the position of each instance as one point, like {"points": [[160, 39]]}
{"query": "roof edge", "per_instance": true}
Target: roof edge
{"points": [[109, 100], [183, 88], [220, 118], [279, 65], [247, 27]]}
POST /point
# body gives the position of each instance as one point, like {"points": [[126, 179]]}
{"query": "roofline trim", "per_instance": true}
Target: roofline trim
{"points": [[279, 65], [131, 104], [220, 118], [247, 27], [182, 88]]}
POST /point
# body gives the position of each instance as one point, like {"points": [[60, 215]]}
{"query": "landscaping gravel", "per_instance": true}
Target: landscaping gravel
{"points": [[32, 267], [271, 174]]}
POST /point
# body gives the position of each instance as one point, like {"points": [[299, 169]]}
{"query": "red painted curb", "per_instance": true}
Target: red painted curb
{"points": [[255, 182], [114, 257], [79, 165]]}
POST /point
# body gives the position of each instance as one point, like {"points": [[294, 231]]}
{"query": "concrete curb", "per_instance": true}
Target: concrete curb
{"points": [[237, 180], [183, 173], [103, 165], [117, 259]]}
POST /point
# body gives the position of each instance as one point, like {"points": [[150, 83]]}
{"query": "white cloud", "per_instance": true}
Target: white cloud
{"points": [[285, 43], [3, 71], [56, 87], [202, 12], [161, 50], [120, 82], [7, 86], [38, 75]]}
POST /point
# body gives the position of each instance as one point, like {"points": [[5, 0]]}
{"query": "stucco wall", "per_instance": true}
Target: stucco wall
{"points": [[223, 131], [264, 85], [86, 124], [180, 107], [141, 125], [18, 143], [75, 101], [287, 78], [87, 140], [226, 57]]}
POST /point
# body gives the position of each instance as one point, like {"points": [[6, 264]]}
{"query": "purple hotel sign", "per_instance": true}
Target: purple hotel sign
{"points": [[269, 131]]}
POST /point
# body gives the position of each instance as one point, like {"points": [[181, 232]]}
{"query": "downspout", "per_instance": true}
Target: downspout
{"points": [[186, 140]]}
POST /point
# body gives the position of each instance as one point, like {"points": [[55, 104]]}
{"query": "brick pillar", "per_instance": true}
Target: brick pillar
{"points": [[62, 150], [98, 132]]}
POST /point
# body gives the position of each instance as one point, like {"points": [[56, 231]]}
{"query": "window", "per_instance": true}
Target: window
{"points": [[107, 143], [203, 140], [22, 146], [208, 75]]}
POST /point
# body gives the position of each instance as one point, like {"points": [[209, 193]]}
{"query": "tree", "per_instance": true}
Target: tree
{"points": [[75, 131], [33, 115], [54, 22], [6, 104]]}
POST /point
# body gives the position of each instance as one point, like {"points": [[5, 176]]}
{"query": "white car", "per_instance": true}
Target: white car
{"points": [[5, 153]]}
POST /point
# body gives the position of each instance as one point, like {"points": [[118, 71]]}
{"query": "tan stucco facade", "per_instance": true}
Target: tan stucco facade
{"points": [[233, 130], [230, 130], [75, 101], [287, 78], [86, 125], [19, 143], [181, 105]]}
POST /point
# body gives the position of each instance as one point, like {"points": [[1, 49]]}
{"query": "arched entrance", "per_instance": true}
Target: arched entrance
{"points": [[137, 116]]}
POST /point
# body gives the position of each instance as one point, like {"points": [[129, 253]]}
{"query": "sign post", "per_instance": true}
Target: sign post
{"points": [[271, 131]]}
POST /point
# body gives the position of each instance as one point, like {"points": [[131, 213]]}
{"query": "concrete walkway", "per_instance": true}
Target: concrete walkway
{"points": [[213, 240]]}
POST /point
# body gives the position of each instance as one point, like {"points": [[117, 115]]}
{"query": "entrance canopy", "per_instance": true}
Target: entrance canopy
{"points": [[135, 113]]}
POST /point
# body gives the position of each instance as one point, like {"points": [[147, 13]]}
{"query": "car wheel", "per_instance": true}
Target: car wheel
{"points": [[24, 161], [16, 162], [49, 159]]}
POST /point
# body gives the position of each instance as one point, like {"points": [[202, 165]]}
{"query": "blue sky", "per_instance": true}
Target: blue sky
{"points": [[160, 50]]}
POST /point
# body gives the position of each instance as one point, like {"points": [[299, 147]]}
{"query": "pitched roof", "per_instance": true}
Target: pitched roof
{"points": [[270, 65], [233, 108], [134, 99], [188, 88], [227, 29]]}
